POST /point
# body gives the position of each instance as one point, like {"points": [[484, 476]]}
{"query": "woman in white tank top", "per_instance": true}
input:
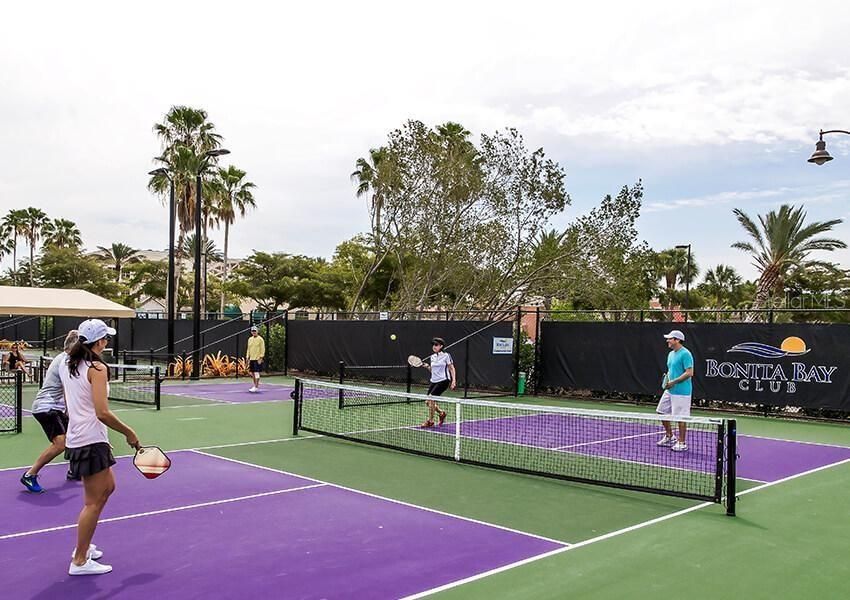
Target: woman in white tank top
{"points": [[85, 379]]}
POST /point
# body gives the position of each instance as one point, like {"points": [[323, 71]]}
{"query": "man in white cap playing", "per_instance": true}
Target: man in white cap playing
{"points": [[678, 388]]}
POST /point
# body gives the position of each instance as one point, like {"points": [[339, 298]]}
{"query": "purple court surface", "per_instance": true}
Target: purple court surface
{"points": [[759, 459], [233, 393], [213, 528]]}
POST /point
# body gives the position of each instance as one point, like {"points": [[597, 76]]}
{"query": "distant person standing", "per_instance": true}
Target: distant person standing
{"points": [[678, 389], [50, 412], [256, 354]]}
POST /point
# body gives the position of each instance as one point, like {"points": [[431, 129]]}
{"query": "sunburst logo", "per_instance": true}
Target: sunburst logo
{"points": [[791, 346]]}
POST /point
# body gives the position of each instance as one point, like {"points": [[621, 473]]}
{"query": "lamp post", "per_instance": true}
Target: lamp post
{"points": [[820, 155], [196, 305], [170, 294], [687, 280]]}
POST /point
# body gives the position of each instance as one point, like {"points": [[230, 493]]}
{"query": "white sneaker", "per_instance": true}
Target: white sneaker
{"points": [[89, 568], [679, 447], [666, 441], [252, 390], [93, 552]]}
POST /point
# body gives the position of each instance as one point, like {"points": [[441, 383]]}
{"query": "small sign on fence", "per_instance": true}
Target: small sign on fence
{"points": [[384, 315], [503, 345]]}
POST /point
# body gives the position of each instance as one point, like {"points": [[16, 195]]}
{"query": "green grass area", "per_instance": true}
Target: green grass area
{"points": [[788, 540]]}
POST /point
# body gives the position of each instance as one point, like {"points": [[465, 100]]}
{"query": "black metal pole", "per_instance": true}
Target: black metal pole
{"points": [[731, 464], [517, 341], [196, 304], [688, 285], [536, 349], [171, 293], [286, 342]]}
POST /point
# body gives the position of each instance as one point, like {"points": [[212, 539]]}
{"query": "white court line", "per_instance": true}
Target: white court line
{"points": [[616, 439], [234, 445], [609, 535], [385, 499], [764, 437], [166, 510], [191, 419]]}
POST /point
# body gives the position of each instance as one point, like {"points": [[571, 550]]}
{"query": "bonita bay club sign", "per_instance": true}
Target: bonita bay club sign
{"points": [[781, 364]]}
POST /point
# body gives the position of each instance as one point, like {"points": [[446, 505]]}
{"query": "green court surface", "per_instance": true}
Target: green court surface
{"points": [[789, 539]]}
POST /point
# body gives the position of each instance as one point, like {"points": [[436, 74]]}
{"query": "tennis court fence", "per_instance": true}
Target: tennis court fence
{"points": [[609, 448], [11, 403], [133, 384]]}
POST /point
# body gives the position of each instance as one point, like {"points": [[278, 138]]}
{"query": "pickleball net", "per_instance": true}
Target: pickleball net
{"points": [[133, 384], [611, 448]]}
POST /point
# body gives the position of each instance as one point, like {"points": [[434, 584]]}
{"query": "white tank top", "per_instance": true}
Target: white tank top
{"points": [[84, 428]]}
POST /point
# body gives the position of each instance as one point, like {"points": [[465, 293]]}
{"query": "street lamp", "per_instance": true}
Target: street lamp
{"points": [[820, 155], [170, 294], [687, 280], [196, 305]]}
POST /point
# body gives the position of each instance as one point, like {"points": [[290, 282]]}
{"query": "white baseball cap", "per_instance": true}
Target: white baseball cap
{"points": [[675, 334], [93, 330]]}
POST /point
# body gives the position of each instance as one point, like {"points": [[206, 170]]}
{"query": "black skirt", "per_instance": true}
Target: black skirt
{"points": [[89, 460]]}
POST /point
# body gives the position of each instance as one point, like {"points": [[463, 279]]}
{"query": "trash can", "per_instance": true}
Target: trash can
{"points": [[520, 384]]}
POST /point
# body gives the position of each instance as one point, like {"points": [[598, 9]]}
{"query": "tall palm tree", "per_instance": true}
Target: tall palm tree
{"points": [[781, 241], [119, 255], [35, 222], [14, 222], [185, 135], [370, 178], [720, 283], [208, 248], [232, 196], [62, 233]]}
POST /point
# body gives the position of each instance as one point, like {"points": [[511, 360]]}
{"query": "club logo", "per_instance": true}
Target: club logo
{"points": [[791, 346]]}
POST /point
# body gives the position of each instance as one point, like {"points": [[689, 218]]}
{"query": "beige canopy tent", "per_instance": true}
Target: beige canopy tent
{"points": [[55, 302]]}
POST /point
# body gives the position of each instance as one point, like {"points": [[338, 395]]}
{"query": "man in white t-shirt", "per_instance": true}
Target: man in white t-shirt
{"points": [[442, 377]]}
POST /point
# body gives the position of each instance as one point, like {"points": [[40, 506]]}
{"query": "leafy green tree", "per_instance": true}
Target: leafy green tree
{"points": [[232, 196], [69, 268], [780, 242], [278, 280], [118, 255], [62, 233]]}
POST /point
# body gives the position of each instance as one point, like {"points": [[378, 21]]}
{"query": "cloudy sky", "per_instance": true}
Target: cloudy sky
{"points": [[713, 107]]}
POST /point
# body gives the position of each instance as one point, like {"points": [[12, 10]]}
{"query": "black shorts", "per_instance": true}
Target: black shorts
{"points": [[438, 387], [53, 422], [89, 460], [255, 366]]}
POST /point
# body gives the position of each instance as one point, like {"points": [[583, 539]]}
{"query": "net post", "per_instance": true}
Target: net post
{"points": [[731, 460], [719, 461], [517, 341], [536, 367], [157, 388], [341, 382], [458, 417], [296, 411], [19, 402], [285, 342], [466, 370]]}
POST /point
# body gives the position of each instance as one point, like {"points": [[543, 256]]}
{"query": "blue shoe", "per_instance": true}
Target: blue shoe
{"points": [[31, 483]]}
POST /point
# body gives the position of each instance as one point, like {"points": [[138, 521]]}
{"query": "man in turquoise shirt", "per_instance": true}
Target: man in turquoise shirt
{"points": [[678, 388]]}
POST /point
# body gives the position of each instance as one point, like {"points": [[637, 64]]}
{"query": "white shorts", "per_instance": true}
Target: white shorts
{"points": [[677, 405]]}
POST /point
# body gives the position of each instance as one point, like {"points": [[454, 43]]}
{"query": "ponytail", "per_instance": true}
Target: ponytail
{"points": [[81, 352]]}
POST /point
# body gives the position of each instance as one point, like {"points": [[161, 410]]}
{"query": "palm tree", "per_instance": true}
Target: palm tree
{"points": [[119, 255], [14, 225], [720, 283], [231, 195], [672, 267], [208, 249], [62, 233], [370, 177], [185, 135], [783, 241], [35, 222]]}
